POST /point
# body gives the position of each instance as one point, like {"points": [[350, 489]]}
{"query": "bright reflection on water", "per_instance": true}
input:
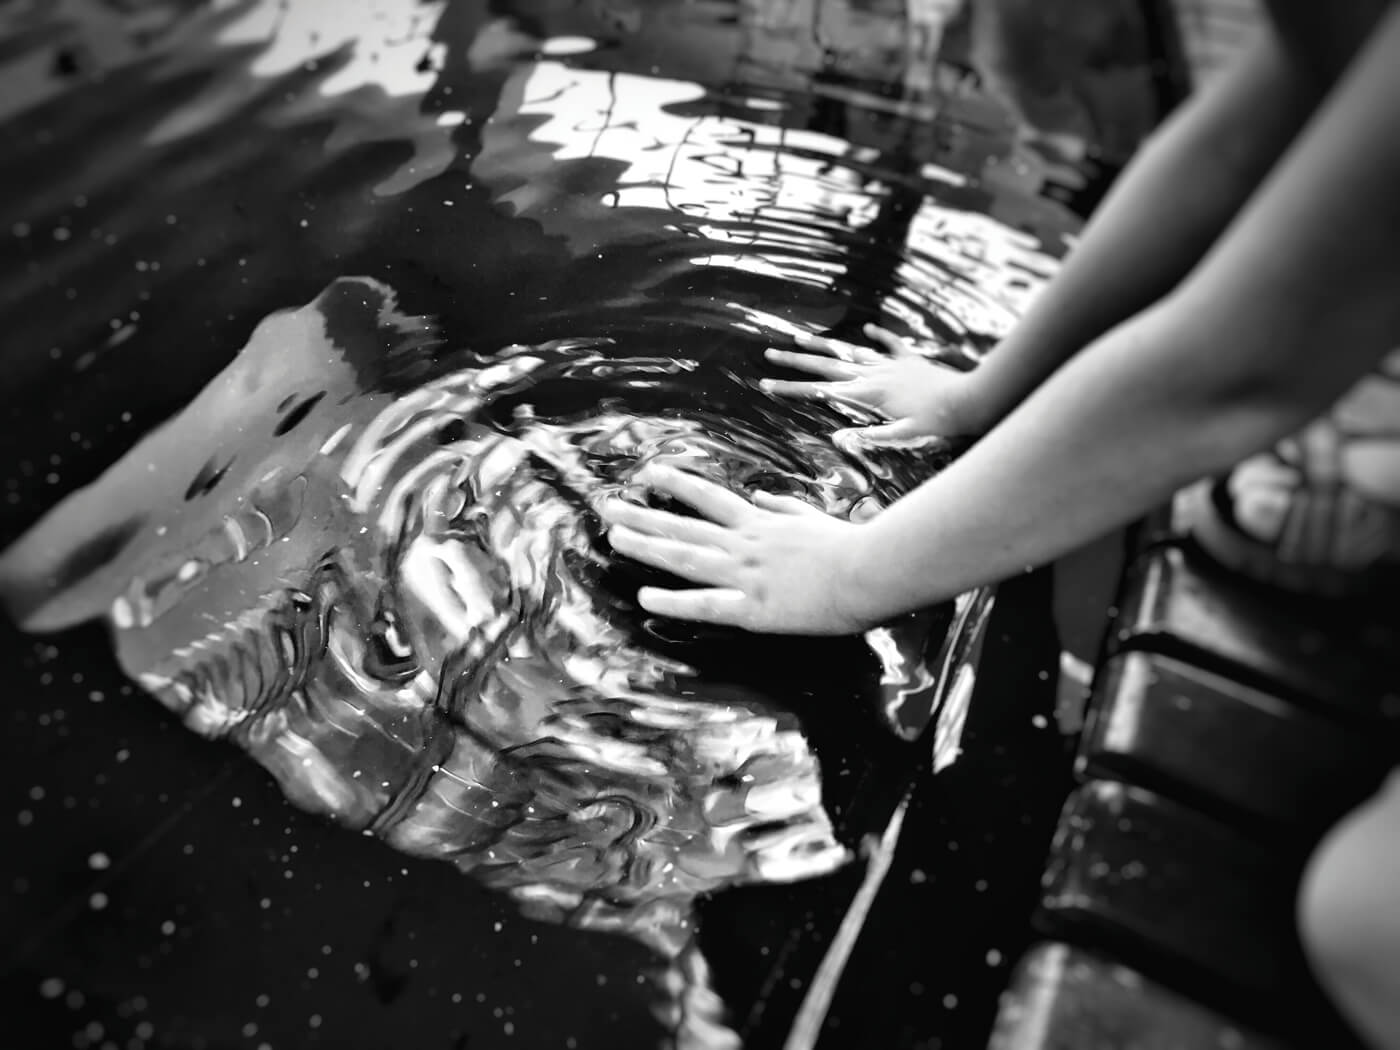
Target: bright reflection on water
{"points": [[367, 552]]}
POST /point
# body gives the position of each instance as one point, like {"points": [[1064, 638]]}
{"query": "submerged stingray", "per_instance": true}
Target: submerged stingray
{"points": [[339, 562]]}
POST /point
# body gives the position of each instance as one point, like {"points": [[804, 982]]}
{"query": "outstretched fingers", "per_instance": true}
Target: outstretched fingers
{"points": [[897, 346], [807, 391], [718, 605], [715, 502], [837, 348], [689, 561], [813, 363], [901, 431], [662, 523]]}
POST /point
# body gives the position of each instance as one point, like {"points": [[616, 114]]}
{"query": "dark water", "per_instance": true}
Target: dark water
{"points": [[637, 199]]}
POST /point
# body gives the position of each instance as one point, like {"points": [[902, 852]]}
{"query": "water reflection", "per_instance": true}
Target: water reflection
{"points": [[793, 204], [400, 606], [364, 550]]}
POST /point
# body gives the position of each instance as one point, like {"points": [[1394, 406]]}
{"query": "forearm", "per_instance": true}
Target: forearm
{"points": [[1165, 212], [1288, 310], [1111, 435]]}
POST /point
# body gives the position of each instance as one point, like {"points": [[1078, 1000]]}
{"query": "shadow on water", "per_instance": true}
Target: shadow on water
{"points": [[635, 199]]}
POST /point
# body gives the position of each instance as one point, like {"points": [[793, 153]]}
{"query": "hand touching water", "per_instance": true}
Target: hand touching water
{"points": [[776, 564], [919, 397]]}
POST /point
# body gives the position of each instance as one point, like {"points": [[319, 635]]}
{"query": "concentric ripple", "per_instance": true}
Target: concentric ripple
{"points": [[366, 550], [400, 604]]}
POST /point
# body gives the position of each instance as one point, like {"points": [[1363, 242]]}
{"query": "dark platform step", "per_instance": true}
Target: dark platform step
{"points": [[1225, 747], [1175, 893], [1176, 602], [1063, 998]]}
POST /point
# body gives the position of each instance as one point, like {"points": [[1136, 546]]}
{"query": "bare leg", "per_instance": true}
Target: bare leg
{"points": [[1349, 916]]}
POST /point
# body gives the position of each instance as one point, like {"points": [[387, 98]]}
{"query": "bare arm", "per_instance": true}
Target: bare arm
{"points": [[1166, 210], [1189, 179], [1293, 304]]}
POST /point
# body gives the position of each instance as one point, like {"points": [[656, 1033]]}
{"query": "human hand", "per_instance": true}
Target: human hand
{"points": [[919, 397], [776, 564]]}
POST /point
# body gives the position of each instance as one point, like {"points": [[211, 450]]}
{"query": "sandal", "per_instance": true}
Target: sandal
{"points": [[1320, 512]]}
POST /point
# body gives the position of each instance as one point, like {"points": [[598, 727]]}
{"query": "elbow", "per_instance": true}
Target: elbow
{"points": [[1234, 395], [1244, 423], [1242, 412], [1258, 406]]}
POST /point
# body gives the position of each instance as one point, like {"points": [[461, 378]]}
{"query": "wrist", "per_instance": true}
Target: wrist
{"points": [[867, 597], [976, 409], [1030, 353]]}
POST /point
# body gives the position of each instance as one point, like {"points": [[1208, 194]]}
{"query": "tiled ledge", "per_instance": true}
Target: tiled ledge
{"points": [[1207, 740], [1176, 602], [1228, 728]]}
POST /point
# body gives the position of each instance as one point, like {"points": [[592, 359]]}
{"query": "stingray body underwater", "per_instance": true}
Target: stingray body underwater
{"points": [[393, 604]]}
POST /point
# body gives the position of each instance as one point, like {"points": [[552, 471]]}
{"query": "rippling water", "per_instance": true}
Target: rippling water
{"points": [[540, 244]]}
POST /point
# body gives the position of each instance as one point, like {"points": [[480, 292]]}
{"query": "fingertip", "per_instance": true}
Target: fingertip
{"points": [[664, 478]]}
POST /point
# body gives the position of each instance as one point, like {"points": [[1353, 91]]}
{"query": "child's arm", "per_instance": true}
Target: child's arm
{"points": [[1163, 214], [1166, 210], [1187, 183], [1170, 205], [1287, 310], [1285, 313]]}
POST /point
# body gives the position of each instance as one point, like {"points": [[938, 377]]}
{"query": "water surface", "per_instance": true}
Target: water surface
{"points": [[651, 193]]}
